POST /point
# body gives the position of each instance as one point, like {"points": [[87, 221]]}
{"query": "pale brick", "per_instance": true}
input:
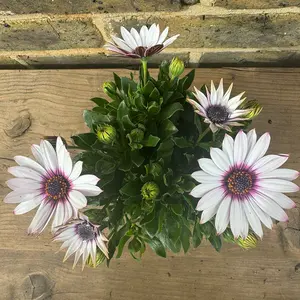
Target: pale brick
{"points": [[243, 4]]}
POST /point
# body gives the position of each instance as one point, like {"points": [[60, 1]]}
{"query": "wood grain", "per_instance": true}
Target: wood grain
{"points": [[30, 269]]}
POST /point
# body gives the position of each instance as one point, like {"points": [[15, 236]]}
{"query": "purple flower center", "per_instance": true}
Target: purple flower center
{"points": [[56, 187], [144, 51], [86, 231], [239, 182], [217, 114]]}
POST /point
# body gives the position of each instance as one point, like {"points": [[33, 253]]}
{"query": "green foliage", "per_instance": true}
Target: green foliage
{"points": [[145, 162]]}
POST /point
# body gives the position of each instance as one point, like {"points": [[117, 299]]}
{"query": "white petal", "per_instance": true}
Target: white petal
{"points": [[18, 196], [49, 155], [143, 35], [236, 218], [240, 148], [238, 113], [281, 199], [73, 248], [213, 128], [79, 252], [265, 218], [122, 44], [202, 176], [70, 212], [128, 38], [209, 167], [94, 252], [211, 198], [86, 253], [27, 206], [38, 154], [41, 218], [227, 147], [213, 93], [64, 158], [259, 149], [234, 102], [223, 215], [220, 159], [278, 185], [88, 179], [227, 94], [136, 36], [88, 189], [208, 213], [150, 38], [244, 222], [170, 40], [269, 163], [77, 169], [253, 219], [201, 189], [25, 172], [220, 92], [102, 245], [286, 174], [201, 98], [59, 216], [270, 207], [23, 183], [77, 199], [251, 136], [29, 163], [163, 36]]}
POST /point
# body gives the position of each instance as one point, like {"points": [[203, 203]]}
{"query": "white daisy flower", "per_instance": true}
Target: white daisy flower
{"points": [[241, 186], [82, 238], [52, 183], [141, 44], [218, 109]]}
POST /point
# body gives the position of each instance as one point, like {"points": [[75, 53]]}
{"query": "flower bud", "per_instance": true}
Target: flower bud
{"points": [[150, 190], [137, 135], [100, 257], [106, 134], [254, 107], [110, 88], [249, 242], [176, 67]]}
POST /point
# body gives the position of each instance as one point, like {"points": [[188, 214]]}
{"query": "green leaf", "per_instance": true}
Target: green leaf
{"points": [[216, 242], [148, 88], [139, 102], [93, 118], [185, 238], [155, 94], [117, 81], [152, 227], [128, 85], [122, 111], [151, 141], [208, 229], [181, 142], [170, 110], [197, 122], [85, 140], [127, 122], [122, 243], [148, 218], [166, 129], [174, 229], [153, 108], [137, 158], [197, 235], [177, 209], [190, 78], [134, 245], [157, 246], [100, 101], [165, 149], [105, 167], [132, 188]]}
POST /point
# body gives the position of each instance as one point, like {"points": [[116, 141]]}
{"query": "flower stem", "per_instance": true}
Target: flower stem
{"points": [[145, 70], [202, 135]]}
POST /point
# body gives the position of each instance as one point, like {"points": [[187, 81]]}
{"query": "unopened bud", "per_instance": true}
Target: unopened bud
{"points": [[106, 134], [176, 67], [150, 190]]}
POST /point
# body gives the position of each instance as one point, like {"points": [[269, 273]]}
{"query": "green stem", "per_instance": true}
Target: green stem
{"points": [[73, 147], [145, 70], [202, 135]]}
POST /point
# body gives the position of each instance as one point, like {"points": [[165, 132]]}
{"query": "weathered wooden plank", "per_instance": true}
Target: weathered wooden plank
{"points": [[55, 100]]}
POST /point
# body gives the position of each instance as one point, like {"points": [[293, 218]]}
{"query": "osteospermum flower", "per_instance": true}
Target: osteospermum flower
{"points": [[82, 238], [241, 186], [141, 44], [52, 183], [218, 109]]}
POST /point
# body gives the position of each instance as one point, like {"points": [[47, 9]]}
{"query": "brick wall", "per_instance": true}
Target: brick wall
{"points": [[58, 33]]}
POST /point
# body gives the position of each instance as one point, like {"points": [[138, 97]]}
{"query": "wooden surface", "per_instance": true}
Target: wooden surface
{"points": [[30, 269]]}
